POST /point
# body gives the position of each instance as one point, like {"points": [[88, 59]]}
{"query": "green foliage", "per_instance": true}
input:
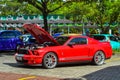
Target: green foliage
{"points": [[100, 12], [15, 8], [117, 51], [96, 11]]}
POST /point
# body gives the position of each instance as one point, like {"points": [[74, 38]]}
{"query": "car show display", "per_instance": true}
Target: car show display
{"points": [[64, 49]]}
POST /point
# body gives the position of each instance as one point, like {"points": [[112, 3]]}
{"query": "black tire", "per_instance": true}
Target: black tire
{"points": [[50, 60], [99, 58]]}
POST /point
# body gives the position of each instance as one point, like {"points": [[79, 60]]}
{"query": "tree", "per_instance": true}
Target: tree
{"points": [[46, 7], [15, 8], [107, 12], [97, 11]]}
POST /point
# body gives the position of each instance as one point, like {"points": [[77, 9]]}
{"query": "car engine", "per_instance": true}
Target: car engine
{"points": [[37, 45]]}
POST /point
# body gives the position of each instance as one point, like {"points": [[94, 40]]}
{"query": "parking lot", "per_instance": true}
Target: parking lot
{"points": [[83, 71]]}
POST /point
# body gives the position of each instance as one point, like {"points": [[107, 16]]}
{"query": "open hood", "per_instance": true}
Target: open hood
{"points": [[40, 34]]}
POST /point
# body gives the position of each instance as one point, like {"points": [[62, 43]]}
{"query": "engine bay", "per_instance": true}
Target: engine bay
{"points": [[37, 45]]}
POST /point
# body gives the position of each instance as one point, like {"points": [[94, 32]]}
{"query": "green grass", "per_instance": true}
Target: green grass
{"points": [[116, 51]]}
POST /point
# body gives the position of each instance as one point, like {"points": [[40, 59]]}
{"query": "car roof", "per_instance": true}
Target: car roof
{"points": [[74, 36], [71, 34], [103, 34], [2, 30], [18, 32], [9, 30], [26, 35]]}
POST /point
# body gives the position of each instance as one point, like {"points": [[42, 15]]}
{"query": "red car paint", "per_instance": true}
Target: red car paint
{"points": [[83, 51]]}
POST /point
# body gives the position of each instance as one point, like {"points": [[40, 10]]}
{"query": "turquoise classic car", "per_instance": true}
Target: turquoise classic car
{"points": [[108, 37]]}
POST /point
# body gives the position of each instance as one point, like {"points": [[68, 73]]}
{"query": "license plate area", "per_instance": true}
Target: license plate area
{"points": [[19, 57]]}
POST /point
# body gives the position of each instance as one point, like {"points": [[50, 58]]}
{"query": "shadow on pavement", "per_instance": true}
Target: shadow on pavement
{"points": [[40, 66], [2, 53], [109, 73], [23, 66]]}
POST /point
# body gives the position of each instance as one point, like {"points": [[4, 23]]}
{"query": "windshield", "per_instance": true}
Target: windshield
{"points": [[98, 37], [113, 38], [61, 40]]}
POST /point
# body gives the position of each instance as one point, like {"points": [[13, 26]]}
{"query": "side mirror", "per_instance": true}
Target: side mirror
{"points": [[71, 43]]}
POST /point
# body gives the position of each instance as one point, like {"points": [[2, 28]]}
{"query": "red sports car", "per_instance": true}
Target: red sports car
{"points": [[49, 51]]}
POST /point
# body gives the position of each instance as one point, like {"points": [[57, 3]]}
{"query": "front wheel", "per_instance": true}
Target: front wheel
{"points": [[50, 60], [99, 58]]}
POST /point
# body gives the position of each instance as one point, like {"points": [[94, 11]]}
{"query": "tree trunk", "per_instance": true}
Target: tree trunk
{"points": [[45, 22]]}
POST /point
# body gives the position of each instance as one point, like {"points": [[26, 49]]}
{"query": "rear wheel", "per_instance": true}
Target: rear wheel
{"points": [[99, 58], [50, 60]]}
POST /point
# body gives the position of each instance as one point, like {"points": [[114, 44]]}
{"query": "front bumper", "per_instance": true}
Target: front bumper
{"points": [[28, 59]]}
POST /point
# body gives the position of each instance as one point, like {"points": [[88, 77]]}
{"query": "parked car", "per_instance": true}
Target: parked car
{"points": [[27, 39], [108, 37], [57, 35], [50, 52], [9, 40]]}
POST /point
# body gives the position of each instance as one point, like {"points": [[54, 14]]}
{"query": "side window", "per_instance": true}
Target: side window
{"points": [[7, 35], [4, 35], [113, 38], [11, 35], [79, 41]]}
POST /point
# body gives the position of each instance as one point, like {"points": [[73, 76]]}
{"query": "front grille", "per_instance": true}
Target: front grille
{"points": [[23, 51]]}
